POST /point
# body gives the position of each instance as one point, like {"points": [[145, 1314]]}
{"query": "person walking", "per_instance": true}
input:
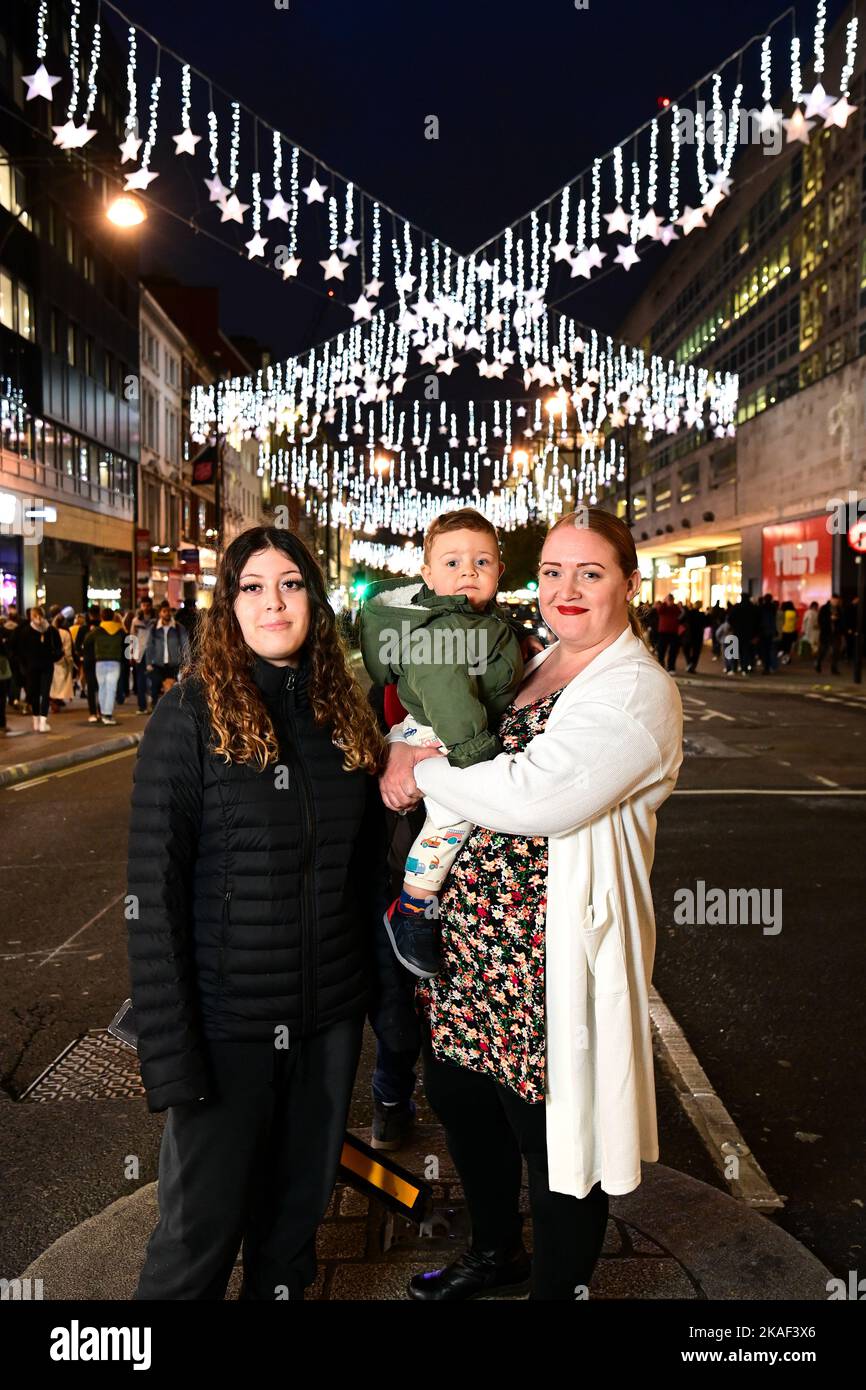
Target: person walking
{"points": [[5, 673], [84, 651], [12, 625], [140, 629], [767, 634], [810, 632], [257, 866], [61, 692], [743, 618], [831, 630], [167, 650], [789, 630], [695, 621], [536, 1038], [105, 643], [39, 647], [715, 618], [669, 635]]}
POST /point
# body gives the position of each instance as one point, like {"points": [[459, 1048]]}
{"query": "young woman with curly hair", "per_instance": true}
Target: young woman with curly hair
{"points": [[256, 880]]}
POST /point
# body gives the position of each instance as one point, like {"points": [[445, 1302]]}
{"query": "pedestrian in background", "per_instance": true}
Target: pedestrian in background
{"points": [[88, 662], [767, 634], [139, 630], [168, 649], [810, 632], [715, 617], [39, 646], [744, 621], [105, 642], [695, 621], [11, 626], [789, 630], [669, 637], [5, 673], [61, 692], [831, 631]]}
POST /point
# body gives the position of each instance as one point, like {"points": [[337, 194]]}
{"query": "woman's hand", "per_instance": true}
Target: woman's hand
{"points": [[397, 782]]}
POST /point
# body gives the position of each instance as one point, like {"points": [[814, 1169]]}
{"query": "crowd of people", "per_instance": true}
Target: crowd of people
{"points": [[104, 655], [750, 635]]}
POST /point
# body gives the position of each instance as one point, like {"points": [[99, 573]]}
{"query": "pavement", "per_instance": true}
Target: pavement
{"points": [[675, 1236]]}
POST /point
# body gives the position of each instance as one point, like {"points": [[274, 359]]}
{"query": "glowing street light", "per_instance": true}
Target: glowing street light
{"points": [[126, 211]]}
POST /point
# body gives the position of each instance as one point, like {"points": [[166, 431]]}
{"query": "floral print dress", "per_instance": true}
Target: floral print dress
{"points": [[486, 1007]]}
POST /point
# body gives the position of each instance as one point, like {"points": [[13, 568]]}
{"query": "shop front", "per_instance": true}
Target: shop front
{"points": [[704, 578], [797, 560]]}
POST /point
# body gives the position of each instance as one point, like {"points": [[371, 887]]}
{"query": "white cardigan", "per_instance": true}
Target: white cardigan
{"points": [[591, 783]]}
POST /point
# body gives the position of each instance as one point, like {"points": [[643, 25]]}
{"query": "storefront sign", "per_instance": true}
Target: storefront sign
{"points": [[798, 560]]}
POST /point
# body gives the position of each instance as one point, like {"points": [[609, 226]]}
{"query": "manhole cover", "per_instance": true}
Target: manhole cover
{"points": [[95, 1067]]}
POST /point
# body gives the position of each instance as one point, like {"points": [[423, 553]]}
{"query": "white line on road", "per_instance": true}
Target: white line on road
{"points": [[68, 771], [768, 791], [826, 780], [58, 949]]}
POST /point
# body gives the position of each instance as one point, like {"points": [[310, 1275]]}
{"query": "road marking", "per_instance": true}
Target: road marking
{"points": [[826, 780], [101, 913], [715, 1127], [68, 771], [767, 791]]}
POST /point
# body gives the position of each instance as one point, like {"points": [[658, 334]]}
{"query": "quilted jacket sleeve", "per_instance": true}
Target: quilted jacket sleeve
{"points": [[163, 839]]}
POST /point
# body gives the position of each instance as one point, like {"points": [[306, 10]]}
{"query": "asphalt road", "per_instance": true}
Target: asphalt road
{"points": [[774, 1016]]}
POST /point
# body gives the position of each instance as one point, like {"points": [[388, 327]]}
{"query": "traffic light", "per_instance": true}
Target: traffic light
{"points": [[532, 584], [359, 588]]}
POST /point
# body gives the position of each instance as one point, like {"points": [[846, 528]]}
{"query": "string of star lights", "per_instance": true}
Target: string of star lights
{"points": [[519, 256]]}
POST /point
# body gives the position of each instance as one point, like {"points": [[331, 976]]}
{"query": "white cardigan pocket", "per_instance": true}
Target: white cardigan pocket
{"points": [[602, 942]]}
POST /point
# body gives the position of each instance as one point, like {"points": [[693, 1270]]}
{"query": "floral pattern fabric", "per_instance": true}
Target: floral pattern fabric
{"points": [[486, 1007]]}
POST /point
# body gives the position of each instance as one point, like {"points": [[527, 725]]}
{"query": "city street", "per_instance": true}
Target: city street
{"points": [[773, 1016]]}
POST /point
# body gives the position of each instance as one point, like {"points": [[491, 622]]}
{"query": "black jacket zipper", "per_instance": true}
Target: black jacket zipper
{"points": [[227, 897], [308, 907]]}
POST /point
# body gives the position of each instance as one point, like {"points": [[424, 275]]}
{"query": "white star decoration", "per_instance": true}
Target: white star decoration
{"points": [[691, 219], [333, 267], [130, 148], [839, 113], [186, 142], [362, 308], [217, 190], [256, 245], [373, 287], [278, 208], [818, 103], [315, 191], [233, 209], [797, 127], [617, 221], [405, 282], [290, 267], [40, 83], [70, 136], [139, 179], [349, 247], [626, 256], [562, 250]]}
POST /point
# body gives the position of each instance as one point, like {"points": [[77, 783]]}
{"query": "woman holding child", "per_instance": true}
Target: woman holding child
{"points": [[536, 1033]]}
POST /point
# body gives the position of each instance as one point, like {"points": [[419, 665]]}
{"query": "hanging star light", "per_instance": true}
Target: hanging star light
{"points": [[349, 246], [186, 142], [217, 191], [334, 267], [373, 287], [649, 225], [840, 113], [278, 208], [818, 103], [315, 191], [130, 148], [691, 220], [256, 246], [233, 209], [617, 221], [362, 307], [626, 256], [797, 127], [40, 83], [139, 179]]}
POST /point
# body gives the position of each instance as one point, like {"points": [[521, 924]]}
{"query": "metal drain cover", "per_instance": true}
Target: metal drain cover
{"points": [[95, 1067]]}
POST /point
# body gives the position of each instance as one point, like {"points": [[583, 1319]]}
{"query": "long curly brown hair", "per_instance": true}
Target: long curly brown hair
{"points": [[223, 663]]}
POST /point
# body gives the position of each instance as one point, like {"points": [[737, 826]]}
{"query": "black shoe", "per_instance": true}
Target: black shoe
{"points": [[476, 1274], [414, 942], [391, 1125]]}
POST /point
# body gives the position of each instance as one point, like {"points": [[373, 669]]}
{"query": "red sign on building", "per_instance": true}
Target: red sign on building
{"points": [[798, 560]]}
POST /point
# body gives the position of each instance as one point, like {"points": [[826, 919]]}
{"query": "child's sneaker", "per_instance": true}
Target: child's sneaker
{"points": [[413, 938]]}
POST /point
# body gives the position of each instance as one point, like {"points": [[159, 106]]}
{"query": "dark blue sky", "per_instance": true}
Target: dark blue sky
{"points": [[526, 95]]}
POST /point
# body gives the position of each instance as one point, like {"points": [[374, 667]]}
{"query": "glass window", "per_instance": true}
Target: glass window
{"points": [[26, 325], [7, 301], [66, 454]]}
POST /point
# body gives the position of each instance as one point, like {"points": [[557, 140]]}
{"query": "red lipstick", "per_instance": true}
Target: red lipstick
{"points": [[570, 608]]}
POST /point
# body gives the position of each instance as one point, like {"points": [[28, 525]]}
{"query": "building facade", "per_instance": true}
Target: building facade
{"points": [[774, 289], [68, 351]]}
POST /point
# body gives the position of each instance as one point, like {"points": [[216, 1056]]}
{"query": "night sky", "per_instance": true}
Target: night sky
{"points": [[526, 96]]}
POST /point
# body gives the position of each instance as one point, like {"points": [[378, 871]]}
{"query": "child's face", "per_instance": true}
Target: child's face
{"points": [[464, 562]]}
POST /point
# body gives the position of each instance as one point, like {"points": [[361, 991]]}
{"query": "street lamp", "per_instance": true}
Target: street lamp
{"points": [[126, 211]]}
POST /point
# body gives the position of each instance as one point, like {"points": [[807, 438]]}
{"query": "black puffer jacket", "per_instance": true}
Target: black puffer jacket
{"points": [[259, 893]]}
